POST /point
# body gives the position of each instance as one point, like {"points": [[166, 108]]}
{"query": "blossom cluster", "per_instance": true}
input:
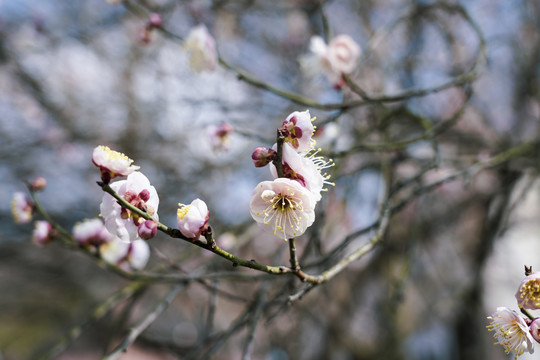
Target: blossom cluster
{"points": [[512, 330], [285, 206], [119, 237]]}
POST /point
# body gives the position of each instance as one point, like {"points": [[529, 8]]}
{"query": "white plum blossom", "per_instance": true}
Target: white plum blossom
{"points": [[193, 218], [137, 191], [132, 255], [528, 294], [343, 52], [219, 136], [307, 170], [511, 331], [335, 59], [43, 233], [298, 131], [112, 163], [283, 207], [202, 48], [22, 208], [91, 232]]}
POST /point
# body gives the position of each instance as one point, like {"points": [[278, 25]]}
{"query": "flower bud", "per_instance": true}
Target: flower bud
{"points": [[534, 328], [43, 233], [147, 229], [154, 21], [263, 156], [38, 184]]}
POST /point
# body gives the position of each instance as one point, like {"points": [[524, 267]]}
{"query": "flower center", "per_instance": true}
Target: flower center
{"points": [[284, 210], [182, 211], [531, 291]]}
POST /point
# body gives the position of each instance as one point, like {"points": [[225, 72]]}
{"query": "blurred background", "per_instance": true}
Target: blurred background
{"points": [[77, 74]]}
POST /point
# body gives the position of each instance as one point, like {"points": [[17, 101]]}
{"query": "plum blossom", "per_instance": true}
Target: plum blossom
{"points": [[528, 294], [112, 163], [43, 233], [91, 232], [202, 48], [335, 59], [137, 191], [22, 208], [511, 331], [128, 256], [283, 207], [307, 170], [193, 219], [219, 136], [298, 130]]}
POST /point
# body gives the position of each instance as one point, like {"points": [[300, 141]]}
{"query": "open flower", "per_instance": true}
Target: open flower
{"points": [[298, 131], [193, 219], [511, 331], [22, 208], [43, 233], [133, 255], [343, 52], [112, 163], [528, 294], [219, 136], [305, 169], [202, 47], [137, 191], [283, 207], [335, 59], [91, 232]]}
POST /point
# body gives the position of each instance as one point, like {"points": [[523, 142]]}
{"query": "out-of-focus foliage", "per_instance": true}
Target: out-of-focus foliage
{"points": [[75, 74]]}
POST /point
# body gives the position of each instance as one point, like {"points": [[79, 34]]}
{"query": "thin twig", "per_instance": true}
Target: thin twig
{"points": [[135, 331]]}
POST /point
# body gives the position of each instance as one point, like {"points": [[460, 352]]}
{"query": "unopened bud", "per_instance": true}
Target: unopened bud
{"points": [[263, 156], [154, 21], [535, 329], [38, 184], [144, 195], [147, 229]]}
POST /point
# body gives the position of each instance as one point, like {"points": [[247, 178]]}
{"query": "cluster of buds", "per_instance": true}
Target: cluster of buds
{"points": [[515, 331], [285, 206], [334, 59]]}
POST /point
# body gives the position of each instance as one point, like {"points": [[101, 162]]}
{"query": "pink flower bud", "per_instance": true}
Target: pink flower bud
{"points": [[38, 184], [144, 195], [154, 21], [534, 328], [43, 233], [147, 229], [193, 219], [263, 156]]}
